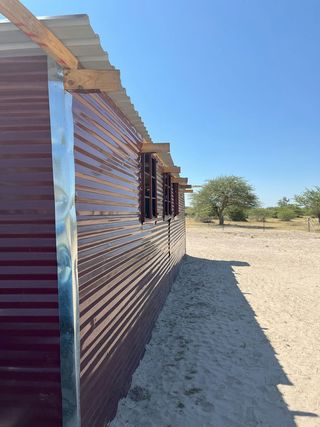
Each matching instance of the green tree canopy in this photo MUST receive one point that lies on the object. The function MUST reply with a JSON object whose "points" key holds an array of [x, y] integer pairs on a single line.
{"points": [[224, 192], [310, 199]]}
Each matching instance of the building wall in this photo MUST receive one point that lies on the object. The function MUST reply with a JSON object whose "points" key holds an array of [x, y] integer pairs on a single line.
{"points": [[125, 268], [29, 319]]}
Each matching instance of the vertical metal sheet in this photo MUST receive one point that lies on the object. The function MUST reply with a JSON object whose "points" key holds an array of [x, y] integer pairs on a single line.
{"points": [[125, 270], [30, 389], [61, 119]]}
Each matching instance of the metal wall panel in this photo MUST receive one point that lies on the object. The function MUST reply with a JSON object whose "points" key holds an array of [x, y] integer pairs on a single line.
{"points": [[62, 143], [178, 236], [125, 269], [29, 318]]}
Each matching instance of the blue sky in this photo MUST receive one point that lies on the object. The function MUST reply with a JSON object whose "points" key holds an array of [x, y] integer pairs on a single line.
{"points": [[234, 85]]}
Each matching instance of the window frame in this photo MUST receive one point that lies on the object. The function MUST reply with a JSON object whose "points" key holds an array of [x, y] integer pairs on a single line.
{"points": [[167, 195], [148, 196], [176, 199]]}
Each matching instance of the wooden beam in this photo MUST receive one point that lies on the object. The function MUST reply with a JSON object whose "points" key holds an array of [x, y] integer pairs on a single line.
{"points": [[180, 180], [187, 191], [185, 186], [22, 18], [171, 169], [104, 80], [162, 147]]}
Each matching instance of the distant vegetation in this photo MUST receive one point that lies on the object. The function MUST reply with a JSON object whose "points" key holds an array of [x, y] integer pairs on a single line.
{"points": [[310, 200], [233, 198], [229, 195]]}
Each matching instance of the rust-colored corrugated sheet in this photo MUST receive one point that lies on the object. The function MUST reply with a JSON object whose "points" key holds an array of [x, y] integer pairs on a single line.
{"points": [[125, 269], [29, 325]]}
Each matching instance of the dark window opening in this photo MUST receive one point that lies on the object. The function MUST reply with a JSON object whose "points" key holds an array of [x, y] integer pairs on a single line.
{"points": [[149, 208], [175, 188], [167, 194]]}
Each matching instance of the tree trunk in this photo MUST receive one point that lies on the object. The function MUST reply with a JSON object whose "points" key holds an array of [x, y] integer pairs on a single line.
{"points": [[319, 218], [221, 219]]}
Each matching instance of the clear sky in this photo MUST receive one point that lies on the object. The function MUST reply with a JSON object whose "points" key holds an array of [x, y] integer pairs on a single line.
{"points": [[234, 85]]}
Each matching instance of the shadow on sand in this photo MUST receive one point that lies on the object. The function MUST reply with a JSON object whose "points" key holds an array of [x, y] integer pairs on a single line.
{"points": [[243, 373]]}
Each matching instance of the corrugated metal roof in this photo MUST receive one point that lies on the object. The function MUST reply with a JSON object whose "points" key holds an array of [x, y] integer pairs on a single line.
{"points": [[77, 35]]}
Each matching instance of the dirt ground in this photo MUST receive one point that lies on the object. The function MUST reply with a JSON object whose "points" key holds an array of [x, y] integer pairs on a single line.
{"points": [[237, 343], [296, 224]]}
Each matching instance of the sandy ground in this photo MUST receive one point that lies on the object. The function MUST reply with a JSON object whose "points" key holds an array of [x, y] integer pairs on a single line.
{"points": [[237, 343]]}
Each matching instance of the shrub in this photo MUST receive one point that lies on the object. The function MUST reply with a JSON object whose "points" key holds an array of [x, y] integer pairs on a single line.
{"points": [[236, 214], [297, 210], [271, 212], [189, 211], [258, 214], [286, 214]]}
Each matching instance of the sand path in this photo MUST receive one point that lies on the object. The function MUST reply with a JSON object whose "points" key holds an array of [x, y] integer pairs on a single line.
{"points": [[237, 343]]}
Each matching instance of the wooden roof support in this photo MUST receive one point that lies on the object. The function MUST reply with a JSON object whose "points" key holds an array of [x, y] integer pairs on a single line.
{"points": [[187, 191], [162, 147], [180, 180], [171, 169], [104, 80], [22, 18], [76, 78]]}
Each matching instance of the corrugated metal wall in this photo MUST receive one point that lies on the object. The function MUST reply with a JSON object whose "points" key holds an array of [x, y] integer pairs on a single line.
{"points": [[29, 324], [178, 235], [125, 269]]}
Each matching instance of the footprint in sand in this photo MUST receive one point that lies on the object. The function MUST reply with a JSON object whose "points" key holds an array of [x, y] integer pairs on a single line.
{"points": [[205, 405], [137, 394], [192, 391]]}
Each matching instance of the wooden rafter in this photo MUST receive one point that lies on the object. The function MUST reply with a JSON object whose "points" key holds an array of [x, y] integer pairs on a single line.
{"points": [[104, 80], [180, 180], [162, 147], [76, 78], [171, 169], [22, 18]]}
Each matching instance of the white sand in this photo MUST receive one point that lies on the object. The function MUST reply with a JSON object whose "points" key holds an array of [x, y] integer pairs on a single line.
{"points": [[237, 343]]}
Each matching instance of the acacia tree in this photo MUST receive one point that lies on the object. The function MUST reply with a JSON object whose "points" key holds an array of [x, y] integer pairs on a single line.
{"points": [[310, 199], [224, 192]]}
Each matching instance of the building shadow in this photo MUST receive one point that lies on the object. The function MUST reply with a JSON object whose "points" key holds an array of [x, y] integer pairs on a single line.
{"points": [[242, 373]]}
